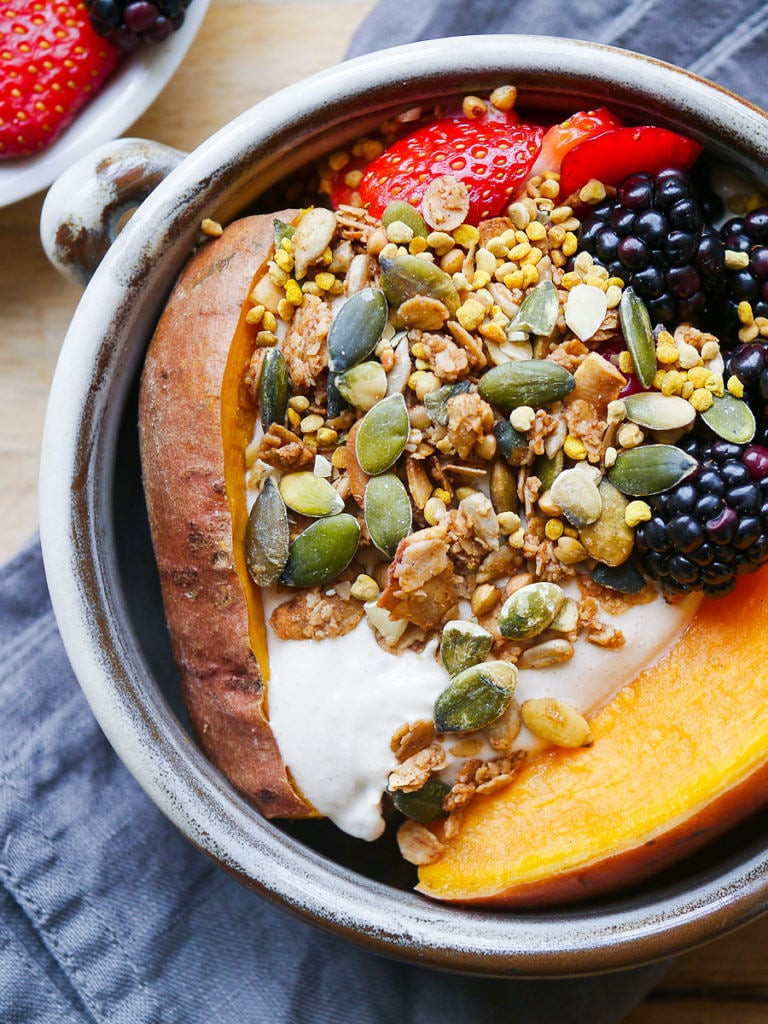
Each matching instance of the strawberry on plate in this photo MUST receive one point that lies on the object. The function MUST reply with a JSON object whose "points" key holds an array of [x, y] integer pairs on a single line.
{"points": [[53, 62], [490, 156], [612, 156]]}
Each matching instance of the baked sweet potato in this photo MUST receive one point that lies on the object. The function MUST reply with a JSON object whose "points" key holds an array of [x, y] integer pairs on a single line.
{"points": [[212, 612]]}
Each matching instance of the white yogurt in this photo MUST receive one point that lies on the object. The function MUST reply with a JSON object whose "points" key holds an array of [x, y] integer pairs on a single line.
{"points": [[334, 704]]}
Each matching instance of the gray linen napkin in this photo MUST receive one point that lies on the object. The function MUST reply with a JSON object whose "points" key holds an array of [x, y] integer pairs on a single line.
{"points": [[106, 913]]}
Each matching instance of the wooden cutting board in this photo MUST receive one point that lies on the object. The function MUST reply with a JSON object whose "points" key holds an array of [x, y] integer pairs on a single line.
{"points": [[245, 51]]}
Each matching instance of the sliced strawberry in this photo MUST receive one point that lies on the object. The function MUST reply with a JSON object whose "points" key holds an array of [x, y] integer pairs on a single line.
{"points": [[489, 156], [612, 156], [53, 62], [561, 138]]}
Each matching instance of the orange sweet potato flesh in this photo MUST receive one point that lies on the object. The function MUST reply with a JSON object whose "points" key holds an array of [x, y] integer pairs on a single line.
{"points": [[678, 757], [194, 416]]}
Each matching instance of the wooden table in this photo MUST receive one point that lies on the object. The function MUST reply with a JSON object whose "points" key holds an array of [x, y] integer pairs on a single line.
{"points": [[245, 51]]}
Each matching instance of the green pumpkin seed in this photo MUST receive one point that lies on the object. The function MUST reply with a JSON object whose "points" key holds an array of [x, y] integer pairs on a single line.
{"points": [[388, 513], [273, 388], [405, 276], [626, 578], [655, 411], [530, 610], [310, 495], [512, 445], [576, 493], [267, 537], [651, 469], [609, 540], [436, 402], [463, 644], [539, 311], [534, 382], [322, 551], [638, 334], [382, 435], [730, 418], [426, 804], [282, 230], [408, 214], [567, 618], [357, 329], [548, 469], [363, 385], [503, 487], [475, 697]]}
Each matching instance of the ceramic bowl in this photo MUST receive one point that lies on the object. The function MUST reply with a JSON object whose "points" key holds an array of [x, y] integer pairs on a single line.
{"points": [[99, 561]]}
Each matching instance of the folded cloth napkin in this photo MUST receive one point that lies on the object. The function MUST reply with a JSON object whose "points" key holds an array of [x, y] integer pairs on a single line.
{"points": [[106, 913]]}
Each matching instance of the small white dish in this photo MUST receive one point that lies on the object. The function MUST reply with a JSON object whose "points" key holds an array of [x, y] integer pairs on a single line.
{"points": [[138, 81]]}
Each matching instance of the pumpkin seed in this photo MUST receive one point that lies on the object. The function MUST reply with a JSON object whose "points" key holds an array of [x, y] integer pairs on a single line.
{"points": [[530, 610], [534, 382], [567, 618], [585, 310], [312, 236], [538, 312], [609, 539], [363, 385], [425, 804], [282, 230], [388, 513], [556, 722], [651, 469], [626, 578], [548, 469], [638, 334], [382, 435], [577, 495], [512, 445], [408, 214], [273, 388], [310, 495], [267, 536], [463, 644], [436, 402], [404, 276], [357, 329], [475, 697], [503, 487], [730, 418], [322, 551], [655, 411]]}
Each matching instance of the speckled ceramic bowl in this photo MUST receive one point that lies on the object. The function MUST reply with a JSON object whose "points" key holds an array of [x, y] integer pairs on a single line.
{"points": [[100, 565]]}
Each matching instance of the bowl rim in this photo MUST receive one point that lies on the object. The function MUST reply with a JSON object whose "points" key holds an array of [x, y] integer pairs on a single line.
{"points": [[96, 366]]}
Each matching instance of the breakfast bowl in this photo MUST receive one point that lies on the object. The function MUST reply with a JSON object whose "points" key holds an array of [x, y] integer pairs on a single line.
{"points": [[98, 551]]}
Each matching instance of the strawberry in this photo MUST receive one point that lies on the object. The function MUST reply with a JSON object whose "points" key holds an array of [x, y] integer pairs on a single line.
{"points": [[490, 156], [612, 156], [562, 137], [53, 63]]}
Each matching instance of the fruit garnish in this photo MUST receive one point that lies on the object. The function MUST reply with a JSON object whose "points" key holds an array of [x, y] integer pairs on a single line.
{"points": [[490, 157], [561, 138], [127, 23], [613, 155], [53, 63]]}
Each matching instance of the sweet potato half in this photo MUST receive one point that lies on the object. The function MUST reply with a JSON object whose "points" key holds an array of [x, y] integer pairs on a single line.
{"points": [[678, 756], [195, 419]]}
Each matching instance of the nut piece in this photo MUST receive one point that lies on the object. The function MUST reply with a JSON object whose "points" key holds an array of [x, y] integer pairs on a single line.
{"points": [[418, 845], [446, 203], [556, 722], [311, 238], [546, 654]]}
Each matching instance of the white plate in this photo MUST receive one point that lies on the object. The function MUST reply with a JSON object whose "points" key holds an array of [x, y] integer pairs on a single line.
{"points": [[135, 85]]}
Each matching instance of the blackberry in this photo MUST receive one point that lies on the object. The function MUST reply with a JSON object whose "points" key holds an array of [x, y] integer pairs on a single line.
{"points": [[749, 363], [129, 22], [656, 234], [713, 526], [748, 234]]}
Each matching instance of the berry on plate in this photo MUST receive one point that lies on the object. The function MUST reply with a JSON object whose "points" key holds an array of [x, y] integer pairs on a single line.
{"points": [[490, 157], [53, 63]]}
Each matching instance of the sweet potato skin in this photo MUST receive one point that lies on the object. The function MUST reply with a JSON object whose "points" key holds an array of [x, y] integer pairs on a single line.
{"points": [[184, 483]]}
